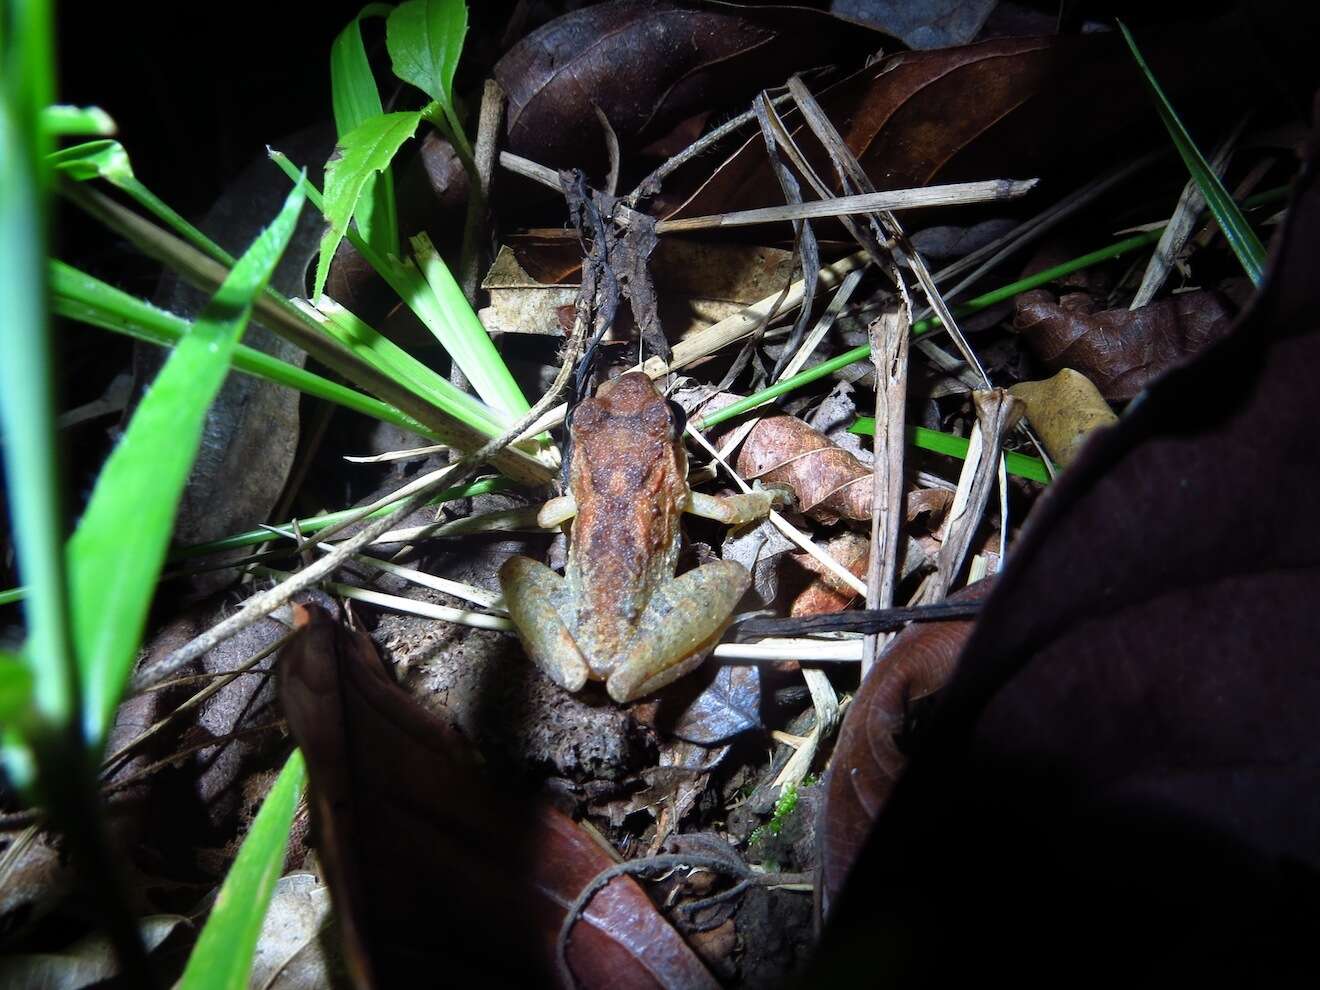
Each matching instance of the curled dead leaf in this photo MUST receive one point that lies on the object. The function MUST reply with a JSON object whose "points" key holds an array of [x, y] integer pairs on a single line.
{"points": [[828, 481], [1120, 350], [867, 759]]}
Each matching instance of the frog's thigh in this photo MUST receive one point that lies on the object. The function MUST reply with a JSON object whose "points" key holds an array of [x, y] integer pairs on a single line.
{"points": [[682, 624], [530, 592], [731, 509]]}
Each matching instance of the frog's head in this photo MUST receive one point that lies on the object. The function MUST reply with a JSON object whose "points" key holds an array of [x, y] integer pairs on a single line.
{"points": [[628, 430]]}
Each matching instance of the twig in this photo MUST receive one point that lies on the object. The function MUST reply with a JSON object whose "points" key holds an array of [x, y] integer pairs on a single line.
{"points": [[889, 336], [664, 863], [650, 186], [859, 620], [475, 226], [952, 194]]}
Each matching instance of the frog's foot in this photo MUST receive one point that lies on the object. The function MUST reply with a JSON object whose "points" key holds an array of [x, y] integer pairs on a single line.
{"points": [[530, 592], [682, 624]]}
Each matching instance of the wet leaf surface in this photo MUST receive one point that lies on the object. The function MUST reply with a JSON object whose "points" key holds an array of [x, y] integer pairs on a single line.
{"points": [[728, 702], [1120, 350], [648, 65], [436, 868], [1124, 766]]}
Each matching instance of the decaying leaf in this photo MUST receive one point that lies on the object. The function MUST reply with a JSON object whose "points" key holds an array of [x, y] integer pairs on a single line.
{"points": [[296, 950], [729, 702], [697, 283], [1125, 764], [88, 962], [828, 481], [1120, 350], [934, 24], [827, 594], [868, 758], [1007, 107], [1064, 411], [437, 869], [648, 65]]}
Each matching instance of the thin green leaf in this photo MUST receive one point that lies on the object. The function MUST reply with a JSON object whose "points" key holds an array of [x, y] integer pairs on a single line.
{"points": [[356, 100], [109, 161], [222, 957], [62, 120], [113, 567], [439, 303], [1241, 238], [80, 296], [15, 686], [1031, 468], [425, 39], [362, 152], [27, 408]]}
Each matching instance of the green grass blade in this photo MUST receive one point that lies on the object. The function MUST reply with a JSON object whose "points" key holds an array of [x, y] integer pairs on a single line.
{"points": [[1241, 238], [1031, 468], [361, 153], [439, 303], [384, 354], [15, 687], [113, 565], [222, 957], [27, 404], [79, 296], [356, 100], [456, 325], [61, 120], [425, 40], [109, 161]]}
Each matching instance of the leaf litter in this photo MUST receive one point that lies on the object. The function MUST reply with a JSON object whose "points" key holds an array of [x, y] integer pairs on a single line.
{"points": [[450, 781]]}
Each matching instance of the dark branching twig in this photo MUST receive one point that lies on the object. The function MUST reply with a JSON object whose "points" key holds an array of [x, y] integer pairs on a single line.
{"points": [[861, 620]]}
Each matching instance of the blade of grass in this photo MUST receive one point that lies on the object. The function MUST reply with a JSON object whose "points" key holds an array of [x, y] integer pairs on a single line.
{"points": [[222, 957], [1241, 238], [27, 404], [62, 120], [15, 687], [355, 98], [113, 568], [365, 150], [1031, 468], [439, 303], [79, 296], [109, 161]]}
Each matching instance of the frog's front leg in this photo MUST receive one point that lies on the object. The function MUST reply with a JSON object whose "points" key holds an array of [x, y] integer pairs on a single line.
{"points": [[681, 625], [732, 510], [533, 594]]}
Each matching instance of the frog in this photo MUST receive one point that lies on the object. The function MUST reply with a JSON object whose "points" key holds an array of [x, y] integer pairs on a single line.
{"points": [[621, 613]]}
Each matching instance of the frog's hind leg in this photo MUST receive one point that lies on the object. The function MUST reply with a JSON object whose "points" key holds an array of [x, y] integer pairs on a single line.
{"points": [[531, 591], [682, 624]]}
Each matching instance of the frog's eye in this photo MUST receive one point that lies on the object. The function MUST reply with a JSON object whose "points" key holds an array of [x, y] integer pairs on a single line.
{"points": [[679, 416], [587, 414]]}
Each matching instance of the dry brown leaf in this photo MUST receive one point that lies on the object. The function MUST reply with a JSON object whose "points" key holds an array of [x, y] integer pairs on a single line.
{"points": [[434, 867], [828, 481], [1064, 411], [1120, 350]]}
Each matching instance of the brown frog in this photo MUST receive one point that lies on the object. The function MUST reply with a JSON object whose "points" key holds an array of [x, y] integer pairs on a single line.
{"points": [[619, 613]]}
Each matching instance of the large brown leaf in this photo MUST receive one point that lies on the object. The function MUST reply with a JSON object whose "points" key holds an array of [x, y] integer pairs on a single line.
{"points": [[440, 876], [867, 759], [648, 64], [1120, 350], [1124, 775], [1008, 108]]}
